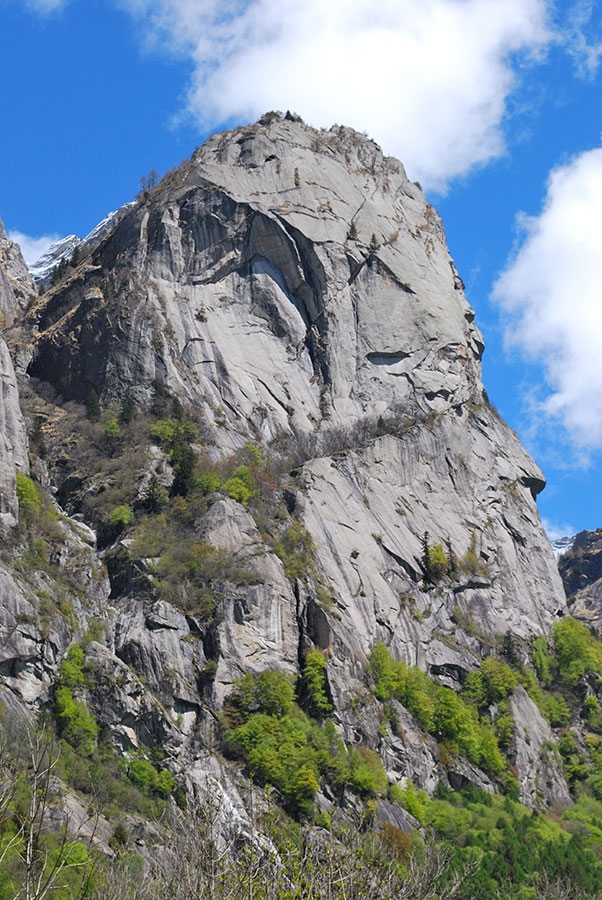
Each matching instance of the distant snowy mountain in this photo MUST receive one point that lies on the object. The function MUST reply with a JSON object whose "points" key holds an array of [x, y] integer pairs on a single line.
{"points": [[561, 545], [41, 269]]}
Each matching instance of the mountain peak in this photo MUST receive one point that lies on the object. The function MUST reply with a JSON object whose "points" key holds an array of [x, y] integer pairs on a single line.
{"points": [[261, 389]]}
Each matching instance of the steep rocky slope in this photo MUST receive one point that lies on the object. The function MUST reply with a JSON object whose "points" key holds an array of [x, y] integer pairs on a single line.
{"points": [[17, 288], [14, 282], [581, 572], [290, 293], [61, 252], [237, 285]]}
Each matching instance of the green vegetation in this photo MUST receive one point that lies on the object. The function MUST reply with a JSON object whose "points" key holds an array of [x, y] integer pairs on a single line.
{"points": [[176, 437], [435, 564], [93, 406], [439, 563], [282, 746], [492, 682], [542, 660], [121, 516], [112, 429], [29, 498], [314, 681], [37, 858], [518, 851], [75, 722], [186, 572], [577, 651], [147, 778], [40, 530], [448, 716], [522, 850], [277, 727], [127, 409], [85, 756], [297, 551]]}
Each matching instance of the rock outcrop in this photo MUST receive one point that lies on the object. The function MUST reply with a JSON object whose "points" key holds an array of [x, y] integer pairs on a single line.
{"points": [[581, 572], [293, 288], [296, 287], [16, 284], [13, 440], [535, 752]]}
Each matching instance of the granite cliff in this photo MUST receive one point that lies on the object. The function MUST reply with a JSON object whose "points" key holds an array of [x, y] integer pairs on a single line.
{"points": [[281, 311]]}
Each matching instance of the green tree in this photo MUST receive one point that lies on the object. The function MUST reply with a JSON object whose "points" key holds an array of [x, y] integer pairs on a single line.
{"points": [[176, 435], [241, 485], [493, 681], [155, 496], [543, 660], [434, 562], [93, 406], [438, 562], [127, 410], [28, 496], [314, 680], [75, 721], [120, 516], [577, 651], [452, 562], [112, 429], [274, 693]]}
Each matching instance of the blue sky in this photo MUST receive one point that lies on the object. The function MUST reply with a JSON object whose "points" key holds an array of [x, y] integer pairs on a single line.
{"points": [[495, 106]]}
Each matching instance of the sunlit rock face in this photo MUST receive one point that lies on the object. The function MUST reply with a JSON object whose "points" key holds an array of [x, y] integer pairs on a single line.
{"points": [[295, 289], [13, 442], [17, 289]]}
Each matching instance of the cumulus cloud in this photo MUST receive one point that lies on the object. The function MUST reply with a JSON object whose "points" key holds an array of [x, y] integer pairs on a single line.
{"points": [[428, 79], [552, 293], [32, 248]]}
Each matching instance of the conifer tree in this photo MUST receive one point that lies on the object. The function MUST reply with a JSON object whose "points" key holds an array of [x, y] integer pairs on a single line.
{"points": [[93, 406], [127, 411]]}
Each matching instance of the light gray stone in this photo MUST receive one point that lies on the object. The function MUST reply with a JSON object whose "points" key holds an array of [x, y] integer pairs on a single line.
{"points": [[540, 774], [16, 284], [13, 441], [355, 360]]}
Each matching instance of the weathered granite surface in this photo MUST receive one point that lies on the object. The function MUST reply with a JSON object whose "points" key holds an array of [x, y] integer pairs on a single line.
{"points": [[295, 289]]}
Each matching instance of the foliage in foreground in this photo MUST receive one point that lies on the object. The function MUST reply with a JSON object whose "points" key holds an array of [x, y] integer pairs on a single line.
{"points": [[479, 846]]}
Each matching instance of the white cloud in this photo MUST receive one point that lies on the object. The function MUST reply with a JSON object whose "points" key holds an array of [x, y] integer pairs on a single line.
{"points": [[32, 247], [428, 79], [552, 292], [583, 38], [556, 531]]}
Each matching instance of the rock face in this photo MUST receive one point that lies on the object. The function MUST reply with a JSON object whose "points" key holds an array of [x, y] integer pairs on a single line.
{"points": [[295, 290], [13, 440], [62, 251], [251, 239], [581, 572], [536, 756], [16, 284], [297, 287]]}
